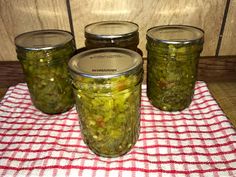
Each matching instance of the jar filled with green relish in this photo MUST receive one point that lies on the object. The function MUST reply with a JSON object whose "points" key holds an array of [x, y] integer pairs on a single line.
{"points": [[44, 57], [123, 34], [173, 54], [107, 88]]}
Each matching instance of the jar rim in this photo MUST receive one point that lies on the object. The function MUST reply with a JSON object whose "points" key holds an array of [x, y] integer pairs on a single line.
{"points": [[43, 39], [106, 63], [175, 34], [111, 29]]}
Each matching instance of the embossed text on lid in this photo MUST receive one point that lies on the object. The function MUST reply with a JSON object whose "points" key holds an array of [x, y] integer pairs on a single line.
{"points": [[105, 62]]}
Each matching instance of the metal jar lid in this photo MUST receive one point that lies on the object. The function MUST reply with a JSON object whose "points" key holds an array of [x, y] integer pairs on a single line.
{"points": [[106, 62], [43, 39], [111, 29], [175, 34]]}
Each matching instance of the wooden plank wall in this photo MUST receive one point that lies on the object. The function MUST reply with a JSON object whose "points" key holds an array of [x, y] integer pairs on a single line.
{"points": [[216, 17], [228, 45]]}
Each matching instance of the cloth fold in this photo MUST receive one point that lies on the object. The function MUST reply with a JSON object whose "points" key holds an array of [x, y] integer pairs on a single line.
{"points": [[198, 141]]}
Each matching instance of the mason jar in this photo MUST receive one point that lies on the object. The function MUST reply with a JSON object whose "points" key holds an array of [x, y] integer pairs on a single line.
{"points": [[172, 62], [107, 89], [44, 57], [122, 34]]}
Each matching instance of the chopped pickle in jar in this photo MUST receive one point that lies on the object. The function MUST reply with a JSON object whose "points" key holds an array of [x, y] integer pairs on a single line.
{"points": [[172, 72], [48, 78], [128, 43], [109, 112]]}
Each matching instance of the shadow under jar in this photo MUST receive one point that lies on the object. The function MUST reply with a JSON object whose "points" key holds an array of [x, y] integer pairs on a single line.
{"points": [[44, 57], [107, 89], [172, 62], [123, 34]]}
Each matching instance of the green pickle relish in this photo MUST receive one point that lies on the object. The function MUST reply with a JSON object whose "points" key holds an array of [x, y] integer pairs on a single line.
{"points": [[107, 88], [44, 57], [173, 53]]}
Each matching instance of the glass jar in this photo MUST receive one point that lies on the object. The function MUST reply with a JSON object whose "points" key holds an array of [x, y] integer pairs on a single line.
{"points": [[44, 57], [107, 88], [172, 61], [122, 34]]}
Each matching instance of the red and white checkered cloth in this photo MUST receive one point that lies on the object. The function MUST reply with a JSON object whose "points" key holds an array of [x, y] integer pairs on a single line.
{"points": [[196, 142]]}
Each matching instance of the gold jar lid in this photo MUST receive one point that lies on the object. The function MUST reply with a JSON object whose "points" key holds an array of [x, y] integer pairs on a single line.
{"points": [[176, 34], [111, 30], [106, 62], [43, 39]]}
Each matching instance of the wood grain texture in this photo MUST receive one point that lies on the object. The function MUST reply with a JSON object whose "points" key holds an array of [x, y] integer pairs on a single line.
{"points": [[18, 16], [225, 95], [207, 15], [228, 45], [11, 73], [212, 69]]}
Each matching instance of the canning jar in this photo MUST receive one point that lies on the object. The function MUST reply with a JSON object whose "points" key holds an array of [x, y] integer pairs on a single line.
{"points": [[107, 88], [44, 57], [122, 34], [173, 53]]}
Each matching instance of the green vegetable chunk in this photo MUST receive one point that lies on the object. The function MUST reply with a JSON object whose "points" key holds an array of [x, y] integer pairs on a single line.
{"points": [[109, 112], [48, 78]]}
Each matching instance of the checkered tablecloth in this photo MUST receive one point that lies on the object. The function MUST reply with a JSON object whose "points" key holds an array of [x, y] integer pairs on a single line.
{"points": [[196, 142]]}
